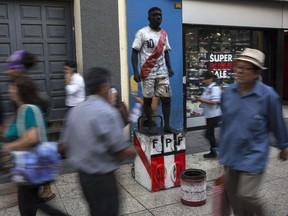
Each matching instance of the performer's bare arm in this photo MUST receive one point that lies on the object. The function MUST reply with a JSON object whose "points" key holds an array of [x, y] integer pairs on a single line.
{"points": [[134, 60], [168, 63]]}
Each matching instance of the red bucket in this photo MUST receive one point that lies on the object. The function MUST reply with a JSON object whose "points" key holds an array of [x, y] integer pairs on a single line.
{"points": [[193, 187]]}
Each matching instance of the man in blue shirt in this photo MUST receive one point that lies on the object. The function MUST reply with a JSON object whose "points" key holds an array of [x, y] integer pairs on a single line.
{"points": [[250, 110]]}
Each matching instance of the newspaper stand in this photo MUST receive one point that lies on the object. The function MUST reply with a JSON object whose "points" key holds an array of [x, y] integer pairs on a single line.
{"points": [[160, 158]]}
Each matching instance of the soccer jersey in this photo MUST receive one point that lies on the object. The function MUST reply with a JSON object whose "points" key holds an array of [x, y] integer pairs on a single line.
{"points": [[145, 42]]}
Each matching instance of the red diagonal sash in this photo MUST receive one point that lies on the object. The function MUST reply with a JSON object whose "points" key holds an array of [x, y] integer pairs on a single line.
{"points": [[152, 59], [142, 155]]}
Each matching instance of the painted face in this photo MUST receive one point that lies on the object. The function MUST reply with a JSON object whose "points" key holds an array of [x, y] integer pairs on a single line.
{"points": [[245, 72], [155, 18]]}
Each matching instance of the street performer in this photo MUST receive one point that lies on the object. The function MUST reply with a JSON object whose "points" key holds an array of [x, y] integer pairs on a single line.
{"points": [[152, 45]]}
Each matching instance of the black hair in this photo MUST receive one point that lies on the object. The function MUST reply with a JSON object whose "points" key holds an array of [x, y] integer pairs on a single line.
{"points": [[153, 9], [28, 60], [209, 75], [71, 64], [29, 93], [95, 77]]}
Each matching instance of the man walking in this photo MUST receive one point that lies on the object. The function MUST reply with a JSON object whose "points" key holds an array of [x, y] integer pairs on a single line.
{"points": [[96, 145], [250, 110]]}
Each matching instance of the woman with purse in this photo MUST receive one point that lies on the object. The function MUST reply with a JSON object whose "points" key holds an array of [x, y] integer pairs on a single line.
{"points": [[23, 92], [17, 65]]}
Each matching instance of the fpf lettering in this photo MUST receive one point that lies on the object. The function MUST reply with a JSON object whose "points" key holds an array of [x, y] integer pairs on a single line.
{"points": [[179, 140], [167, 142], [154, 142]]}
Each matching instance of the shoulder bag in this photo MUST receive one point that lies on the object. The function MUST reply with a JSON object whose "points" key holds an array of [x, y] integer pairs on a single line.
{"points": [[38, 164]]}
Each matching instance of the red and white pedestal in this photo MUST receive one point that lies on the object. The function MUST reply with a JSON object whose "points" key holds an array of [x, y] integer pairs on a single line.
{"points": [[160, 160]]}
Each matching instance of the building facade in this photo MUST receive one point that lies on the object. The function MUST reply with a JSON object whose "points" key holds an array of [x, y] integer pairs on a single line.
{"points": [[56, 31]]}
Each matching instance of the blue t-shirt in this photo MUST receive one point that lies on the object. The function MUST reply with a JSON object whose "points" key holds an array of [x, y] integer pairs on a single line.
{"points": [[30, 122]]}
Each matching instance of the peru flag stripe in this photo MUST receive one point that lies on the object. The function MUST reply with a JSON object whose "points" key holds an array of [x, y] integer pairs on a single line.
{"points": [[152, 59], [180, 162], [141, 154], [158, 173]]}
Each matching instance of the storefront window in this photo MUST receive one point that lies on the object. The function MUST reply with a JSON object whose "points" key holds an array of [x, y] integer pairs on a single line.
{"points": [[211, 49]]}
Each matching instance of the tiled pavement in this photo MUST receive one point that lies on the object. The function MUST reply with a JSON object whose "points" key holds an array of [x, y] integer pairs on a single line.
{"points": [[137, 201]]}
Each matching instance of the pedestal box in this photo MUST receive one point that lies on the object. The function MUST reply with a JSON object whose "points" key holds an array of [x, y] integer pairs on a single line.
{"points": [[160, 160]]}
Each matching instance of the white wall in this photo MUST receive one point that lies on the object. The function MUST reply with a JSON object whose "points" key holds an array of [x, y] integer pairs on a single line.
{"points": [[123, 55], [285, 16], [78, 36], [236, 13]]}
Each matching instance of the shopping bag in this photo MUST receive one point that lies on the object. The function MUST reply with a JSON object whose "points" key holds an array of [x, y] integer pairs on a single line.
{"points": [[37, 166], [220, 205]]}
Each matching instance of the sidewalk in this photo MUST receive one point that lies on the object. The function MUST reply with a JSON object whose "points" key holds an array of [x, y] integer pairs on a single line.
{"points": [[137, 201]]}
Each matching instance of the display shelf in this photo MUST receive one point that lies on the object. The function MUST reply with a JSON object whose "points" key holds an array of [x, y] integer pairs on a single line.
{"points": [[200, 45], [194, 78]]}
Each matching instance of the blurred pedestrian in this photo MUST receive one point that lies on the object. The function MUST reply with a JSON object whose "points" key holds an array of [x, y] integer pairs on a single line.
{"points": [[18, 65], [96, 145], [210, 100], [250, 110], [23, 91], [75, 86]]}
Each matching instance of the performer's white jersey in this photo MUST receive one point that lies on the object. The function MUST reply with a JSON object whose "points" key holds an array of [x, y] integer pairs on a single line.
{"points": [[145, 42]]}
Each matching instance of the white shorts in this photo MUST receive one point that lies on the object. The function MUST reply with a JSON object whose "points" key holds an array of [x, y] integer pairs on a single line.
{"points": [[159, 87]]}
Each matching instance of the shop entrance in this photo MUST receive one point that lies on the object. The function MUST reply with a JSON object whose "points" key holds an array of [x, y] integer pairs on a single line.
{"points": [[210, 48]]}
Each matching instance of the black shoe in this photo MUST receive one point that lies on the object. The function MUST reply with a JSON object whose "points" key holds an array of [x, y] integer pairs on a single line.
{"points": [[210, 155], [152, 130]]}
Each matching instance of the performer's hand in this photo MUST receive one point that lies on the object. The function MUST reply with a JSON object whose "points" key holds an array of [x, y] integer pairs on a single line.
{"points": [[284, 154], [137, 77], [171, 72]]}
